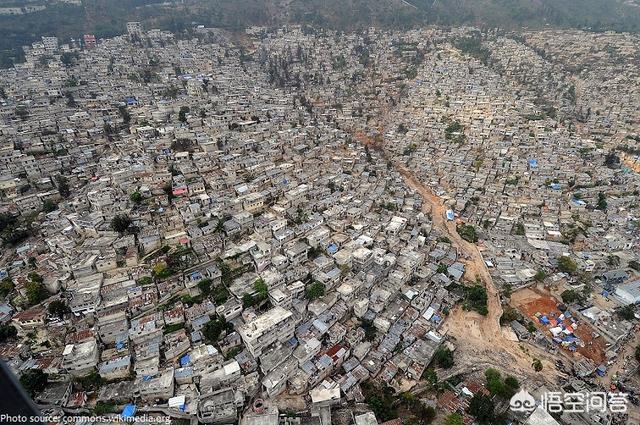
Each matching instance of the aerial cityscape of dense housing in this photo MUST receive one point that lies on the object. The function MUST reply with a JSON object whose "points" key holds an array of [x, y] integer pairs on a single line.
{"points": [[296, 225]]}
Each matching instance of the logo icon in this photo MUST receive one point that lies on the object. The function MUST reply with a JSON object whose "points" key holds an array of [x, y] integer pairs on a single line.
{"points": [[522, 401]]}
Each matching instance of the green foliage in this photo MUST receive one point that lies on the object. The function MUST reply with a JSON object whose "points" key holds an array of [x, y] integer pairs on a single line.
{"points": [[442, 268], [443, 357], [91, 382], [315, 291], [369, 329], [380, 400], [473, 47], [454, 127], [430, 376], [104, 407], [213, 329], [507, 290], [36, 292], [540, 276], [505, 389], [6, 286], [482, 408], [49, 205], [537, 365], [602, 202], [454, 419], [182, 115], [136, 197], [172, 328], [145, 280], [58, 308], [570, 296], [476, 299], [63, 186], [637, 353], [34, 381], [467, 232], [567, 265], [120, 223], [627, 312], [7, 332]]}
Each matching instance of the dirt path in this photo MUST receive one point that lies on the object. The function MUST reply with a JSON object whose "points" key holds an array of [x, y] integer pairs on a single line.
{"points": [[481, 343]]}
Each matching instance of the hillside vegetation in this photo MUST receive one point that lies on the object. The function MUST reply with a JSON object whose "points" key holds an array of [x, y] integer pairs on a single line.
{"points": [[108, 17]]}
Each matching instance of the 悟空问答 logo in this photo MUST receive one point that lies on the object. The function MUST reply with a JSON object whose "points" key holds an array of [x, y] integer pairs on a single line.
{"points": [[522, 401]]}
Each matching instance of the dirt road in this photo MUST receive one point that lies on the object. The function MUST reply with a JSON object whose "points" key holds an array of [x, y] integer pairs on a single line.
{"points": [[481, 342]]}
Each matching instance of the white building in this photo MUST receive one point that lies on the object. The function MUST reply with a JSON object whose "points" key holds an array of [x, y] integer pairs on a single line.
{"points": [[277, 324]]}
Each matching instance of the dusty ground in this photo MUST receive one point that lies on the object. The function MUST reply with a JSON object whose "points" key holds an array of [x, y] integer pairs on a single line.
{"points": [[532, 301], [481, 342]]}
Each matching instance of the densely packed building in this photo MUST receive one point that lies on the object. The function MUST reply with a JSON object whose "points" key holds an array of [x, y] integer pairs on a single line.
{"points": [[227, 228]]}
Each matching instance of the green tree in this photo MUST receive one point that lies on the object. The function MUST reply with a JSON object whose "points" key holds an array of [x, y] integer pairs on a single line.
{"points": [[537, 365], [443, 357], [482, 408], [205, 286], [34, 381], [512, 383], [454, 419], [121, 223], [6, 286], [467, 232], [476, 299], [602, 202], [124, 114], [58, 308], [91, 382], [507, 290], [214, 328], [182, 115], [540, 276], [315, 291], [570, 296], [104, 407], [628, 312], [48, 206], [261, 289], [136, 197], [567, 265], [494, 381], [63, 186], [36, 292], [7, 332]]}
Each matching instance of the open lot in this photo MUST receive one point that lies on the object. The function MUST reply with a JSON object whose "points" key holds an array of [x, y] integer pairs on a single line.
{"points": [[533, 303]]}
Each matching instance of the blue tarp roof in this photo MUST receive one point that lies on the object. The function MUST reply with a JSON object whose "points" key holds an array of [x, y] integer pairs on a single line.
{"points": [[184, 360], [129, 410], [544, 320], [450, 215], [533, 163], [332, 248], [556, 186]]}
